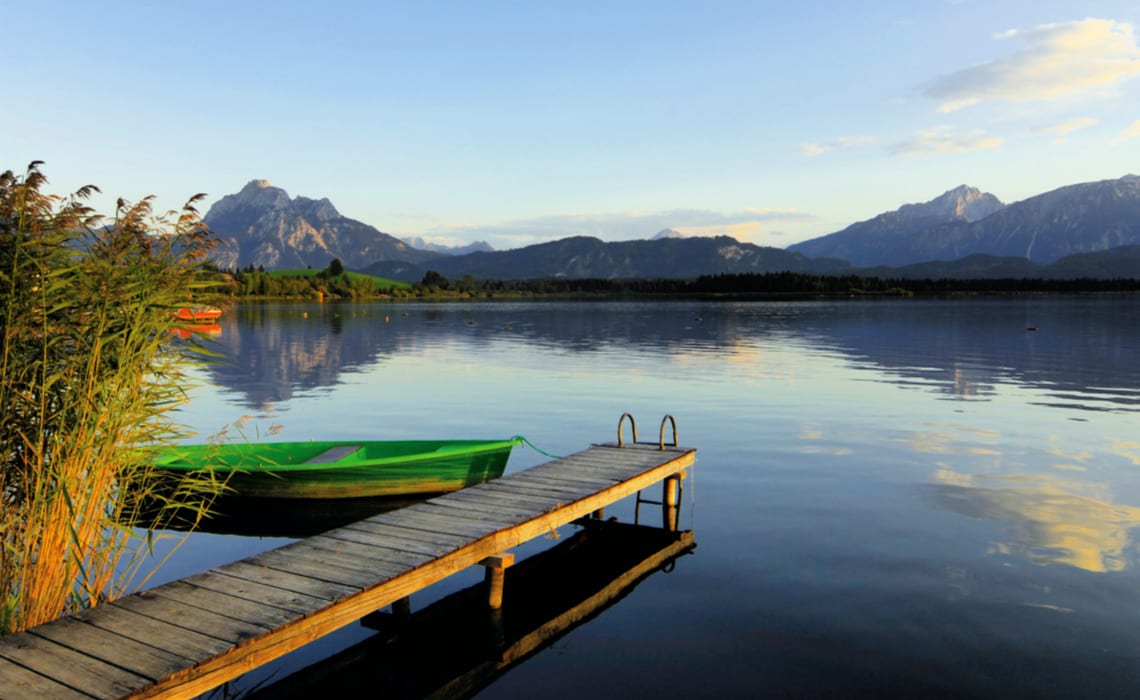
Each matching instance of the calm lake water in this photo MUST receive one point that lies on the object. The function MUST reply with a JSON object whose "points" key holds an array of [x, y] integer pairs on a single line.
{"points": [[907, 498]]}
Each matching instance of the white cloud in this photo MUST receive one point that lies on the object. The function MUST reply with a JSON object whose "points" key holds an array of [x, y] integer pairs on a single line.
{"points": [[621, 226], [810, 150], [1131, 132], [944, 140], [1058, 61], [1062, 128]]}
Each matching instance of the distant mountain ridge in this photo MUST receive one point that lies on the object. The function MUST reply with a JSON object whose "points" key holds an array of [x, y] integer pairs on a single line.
{"points": [[424, 244], [1122, 262], [1082, 218], [263, 227], [890, 238], [585, 256]]}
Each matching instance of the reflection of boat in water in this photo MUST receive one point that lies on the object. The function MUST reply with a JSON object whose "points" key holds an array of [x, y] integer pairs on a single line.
{"points": [[198, 314], [340, 469], [456, 646], [212, 330]]}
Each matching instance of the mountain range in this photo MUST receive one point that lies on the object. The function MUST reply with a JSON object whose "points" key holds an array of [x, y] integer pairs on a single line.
{"points": [[1083, 218], [962, 233], [585, 256], [424, 244]]}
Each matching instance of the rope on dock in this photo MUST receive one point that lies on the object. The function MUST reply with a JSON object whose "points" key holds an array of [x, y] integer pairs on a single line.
{"points": [[534, 447]]}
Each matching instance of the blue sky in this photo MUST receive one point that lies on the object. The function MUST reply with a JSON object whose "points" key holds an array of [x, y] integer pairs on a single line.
{"points": [[516, 122]]}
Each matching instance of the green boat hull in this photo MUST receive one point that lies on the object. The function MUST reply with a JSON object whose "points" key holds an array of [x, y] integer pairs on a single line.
{"points": [[343, 469]]}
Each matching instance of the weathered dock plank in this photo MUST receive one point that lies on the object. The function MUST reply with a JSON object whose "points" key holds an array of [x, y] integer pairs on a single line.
{"points": [[357, 546], [580, 483], [21, 684], [289, 581], [416, 517], [253, 611], [510, 500], [153, 632], [192, 635], [559, 494], [521, 493], [488, 517], [380, 547], [159, 607], [326, 565], [411, 541], [68, 666], [115, 649], [481, 505], [302, 603]]}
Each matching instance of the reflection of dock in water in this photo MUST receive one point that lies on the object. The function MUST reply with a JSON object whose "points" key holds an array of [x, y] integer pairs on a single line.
{"points": [[456, 646]]}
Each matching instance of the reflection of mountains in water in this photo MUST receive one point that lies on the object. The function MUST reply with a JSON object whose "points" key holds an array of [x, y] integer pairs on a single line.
{"points": [[1085, 352], [456, 646], [273, 351]]}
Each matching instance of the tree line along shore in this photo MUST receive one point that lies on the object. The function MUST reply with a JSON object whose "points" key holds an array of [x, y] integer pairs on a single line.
{"points": [[334, 282]]}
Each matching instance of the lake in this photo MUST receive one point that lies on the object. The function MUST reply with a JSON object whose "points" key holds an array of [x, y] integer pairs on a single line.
{"points": [[892, 498]]}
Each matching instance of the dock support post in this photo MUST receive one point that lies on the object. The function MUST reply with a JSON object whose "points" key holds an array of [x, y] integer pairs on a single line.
{"points": [[495, 573], [402, 608], [669, 500]]}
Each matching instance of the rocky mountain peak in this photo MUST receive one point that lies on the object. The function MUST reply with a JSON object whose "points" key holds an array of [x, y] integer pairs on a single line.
{"points": [[963, 202], [262, 226], [257, 194], [667, 233], [317, 209]]}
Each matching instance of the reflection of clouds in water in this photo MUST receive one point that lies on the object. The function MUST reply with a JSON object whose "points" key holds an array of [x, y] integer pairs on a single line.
{"points": [[748, 361], [954, 439], [1127, 449], [1070, 461], [813, 432], [1053, 520], [834, 451]]}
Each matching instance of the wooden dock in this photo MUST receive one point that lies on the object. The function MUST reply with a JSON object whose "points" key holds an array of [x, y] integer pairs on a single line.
{"points": [[186, 637]]}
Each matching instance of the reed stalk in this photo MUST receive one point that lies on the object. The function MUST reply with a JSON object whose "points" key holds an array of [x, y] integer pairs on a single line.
{"points": [[91, 373]]}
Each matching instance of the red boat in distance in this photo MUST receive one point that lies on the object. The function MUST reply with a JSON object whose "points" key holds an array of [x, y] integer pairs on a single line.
{"points": [[198, 314]]}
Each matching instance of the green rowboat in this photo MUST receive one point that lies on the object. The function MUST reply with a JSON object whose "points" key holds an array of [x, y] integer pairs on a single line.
{"points": [[343, 469]]}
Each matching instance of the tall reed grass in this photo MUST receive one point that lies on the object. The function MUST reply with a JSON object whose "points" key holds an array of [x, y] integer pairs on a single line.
{"points": [[90, 375]]}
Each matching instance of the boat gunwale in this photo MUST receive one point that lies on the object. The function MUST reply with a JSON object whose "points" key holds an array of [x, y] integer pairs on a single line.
{"points": [[459, 448]]}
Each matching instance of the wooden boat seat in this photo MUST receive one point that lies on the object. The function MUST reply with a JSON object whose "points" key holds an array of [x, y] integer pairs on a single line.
{"points": [[334, 454]]}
